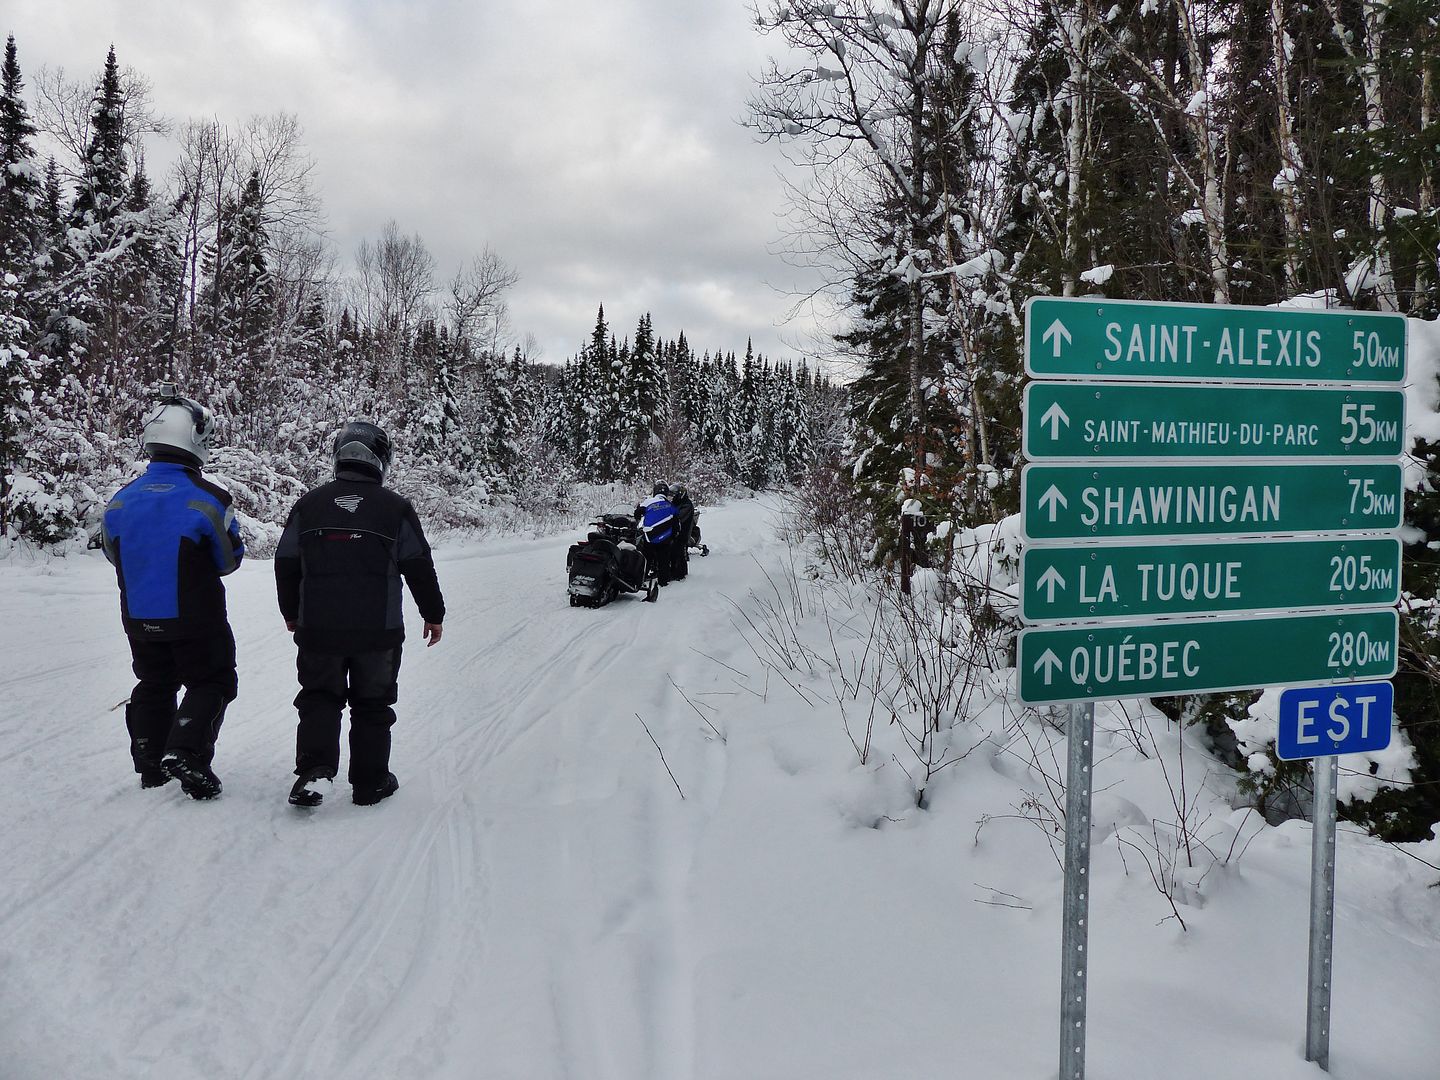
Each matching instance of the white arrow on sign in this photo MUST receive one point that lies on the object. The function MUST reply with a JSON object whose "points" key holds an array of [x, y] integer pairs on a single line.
{"points": [[1056, 330], [1049, 580], [1055, 416], [1048, 664], [1053, 498]]}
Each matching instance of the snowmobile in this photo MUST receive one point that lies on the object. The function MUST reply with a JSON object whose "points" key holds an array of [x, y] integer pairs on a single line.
{"points": [[608, 562], [693, 540]]}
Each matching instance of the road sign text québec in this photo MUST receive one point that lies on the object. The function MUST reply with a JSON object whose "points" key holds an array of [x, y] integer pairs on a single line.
{"points": [[1351, 718], [1108, 661], [1120, 339]]}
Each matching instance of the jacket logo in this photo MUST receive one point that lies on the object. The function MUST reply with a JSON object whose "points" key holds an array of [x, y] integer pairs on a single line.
{"points": [[350, 503], [159, 489], [150, 628]]}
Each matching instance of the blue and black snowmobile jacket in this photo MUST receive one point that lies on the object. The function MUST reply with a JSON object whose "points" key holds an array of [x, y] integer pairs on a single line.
{"points": [[171, 536], [657, 519]]}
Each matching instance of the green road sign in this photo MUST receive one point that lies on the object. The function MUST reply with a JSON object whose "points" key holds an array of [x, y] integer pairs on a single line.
{"points": [[1109, 420], [1091, 663], [1136, 339], [1062, 502], [1129, 581]]}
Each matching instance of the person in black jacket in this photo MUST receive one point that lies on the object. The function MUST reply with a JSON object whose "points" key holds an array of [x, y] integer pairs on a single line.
{"points": [[687, 532], [338, 568], [171, 536]]}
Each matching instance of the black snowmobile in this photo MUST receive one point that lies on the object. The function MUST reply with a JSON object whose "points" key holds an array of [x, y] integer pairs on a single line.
{"points": [[607, 563], [694, 537]]}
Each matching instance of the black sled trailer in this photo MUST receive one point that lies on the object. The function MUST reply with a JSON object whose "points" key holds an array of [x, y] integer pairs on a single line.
{"points": [[607, 563]]}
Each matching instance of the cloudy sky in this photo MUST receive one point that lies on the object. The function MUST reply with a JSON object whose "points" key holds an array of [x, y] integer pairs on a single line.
{"points": [[594, 144]]}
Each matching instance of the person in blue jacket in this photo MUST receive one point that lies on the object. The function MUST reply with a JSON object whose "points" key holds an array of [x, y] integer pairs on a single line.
{"points": [[657, 523], [171, 536]]}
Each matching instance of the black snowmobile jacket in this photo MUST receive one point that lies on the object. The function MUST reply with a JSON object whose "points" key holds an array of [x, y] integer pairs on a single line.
{"points": [[345, 547]]}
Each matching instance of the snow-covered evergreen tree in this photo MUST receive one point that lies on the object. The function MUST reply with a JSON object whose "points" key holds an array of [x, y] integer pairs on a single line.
{"points": [[21, 184], [237, 304]]}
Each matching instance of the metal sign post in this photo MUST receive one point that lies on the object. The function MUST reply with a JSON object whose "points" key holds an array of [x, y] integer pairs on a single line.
{"points": [[1074, 946], [1196, 460], [1322, 914], [1321, 722]]}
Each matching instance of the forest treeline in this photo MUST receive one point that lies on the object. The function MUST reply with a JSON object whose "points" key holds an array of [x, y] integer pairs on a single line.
{"points": [[218, 277]]}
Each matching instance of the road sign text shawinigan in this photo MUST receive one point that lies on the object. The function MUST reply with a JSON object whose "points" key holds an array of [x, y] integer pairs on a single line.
{"points": [[1180, 504]]}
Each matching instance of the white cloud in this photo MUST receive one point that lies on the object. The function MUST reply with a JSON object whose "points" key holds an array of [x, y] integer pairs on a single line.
{"points": [[596, 147]]}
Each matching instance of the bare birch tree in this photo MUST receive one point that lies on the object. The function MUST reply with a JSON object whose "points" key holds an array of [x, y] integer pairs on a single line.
{"points": [[854, 101], [1287, 181], [1365, 50], [1201, 165], [475, 306]]}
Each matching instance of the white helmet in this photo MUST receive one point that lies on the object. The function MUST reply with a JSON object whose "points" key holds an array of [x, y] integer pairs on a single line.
{"points": [[179, 425]]}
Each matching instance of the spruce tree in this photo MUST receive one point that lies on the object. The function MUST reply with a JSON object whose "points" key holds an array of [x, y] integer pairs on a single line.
{"points": [[16, 392], [103, 182], [597, 401], [239, 299], [21, 193], [643, 397]]}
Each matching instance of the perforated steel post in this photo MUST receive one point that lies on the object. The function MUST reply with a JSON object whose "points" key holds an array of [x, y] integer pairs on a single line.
{"points": [[1074, 947], [1322, 914]]}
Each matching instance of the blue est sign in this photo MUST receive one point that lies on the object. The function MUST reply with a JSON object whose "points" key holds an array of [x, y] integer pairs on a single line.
{"points": [[1318, 721]]}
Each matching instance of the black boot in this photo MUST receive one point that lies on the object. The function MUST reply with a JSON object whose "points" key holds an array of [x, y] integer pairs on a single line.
{"points": [[308, 788], [147, 764], [369, 796], [195, 777]]}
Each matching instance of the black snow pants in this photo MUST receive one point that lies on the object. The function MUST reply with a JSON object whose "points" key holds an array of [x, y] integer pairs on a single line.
{"points": [[664, 558], [205, 667], [369, 681]]}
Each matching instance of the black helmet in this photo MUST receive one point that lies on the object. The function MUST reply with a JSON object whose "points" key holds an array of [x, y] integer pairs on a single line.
{"points": [[363, 444], [661, 489], [681, 492]]}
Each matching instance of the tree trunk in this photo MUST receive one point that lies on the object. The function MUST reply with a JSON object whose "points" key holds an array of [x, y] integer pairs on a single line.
{"points": [[1075, 26], [918, 238], [1212, 206], [1385, 295], [1286, 184], [1373, 30], [1425, 273]]}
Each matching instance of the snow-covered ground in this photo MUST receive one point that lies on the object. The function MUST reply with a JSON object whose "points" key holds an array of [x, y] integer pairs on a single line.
{"points": [[538, 902]]}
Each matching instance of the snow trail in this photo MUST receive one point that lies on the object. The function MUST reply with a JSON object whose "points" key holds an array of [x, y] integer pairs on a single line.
{"points": [[537, 902], [245, 938]]}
